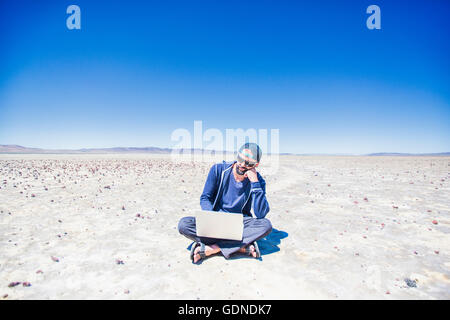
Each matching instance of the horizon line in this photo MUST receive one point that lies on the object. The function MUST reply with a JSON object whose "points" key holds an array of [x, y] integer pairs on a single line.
{"points": [[148, 149]]}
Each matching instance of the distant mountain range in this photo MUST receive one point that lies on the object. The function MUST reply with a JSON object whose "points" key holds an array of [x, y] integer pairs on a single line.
{"points": [[390, 154], [16, 149], [20, 149]]}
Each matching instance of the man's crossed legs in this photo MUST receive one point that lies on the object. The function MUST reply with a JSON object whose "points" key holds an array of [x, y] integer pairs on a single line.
{"points": [[254, 229]]}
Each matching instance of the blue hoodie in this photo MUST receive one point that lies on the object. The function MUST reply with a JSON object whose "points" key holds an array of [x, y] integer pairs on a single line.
{"points": [[215, 185]]}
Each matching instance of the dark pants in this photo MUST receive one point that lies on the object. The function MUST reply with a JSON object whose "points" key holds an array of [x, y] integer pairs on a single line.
{"points": [[254, 229]]}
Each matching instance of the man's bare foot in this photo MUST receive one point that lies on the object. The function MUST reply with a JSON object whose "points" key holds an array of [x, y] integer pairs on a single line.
{"points": [[209, 250], [252, 250]]}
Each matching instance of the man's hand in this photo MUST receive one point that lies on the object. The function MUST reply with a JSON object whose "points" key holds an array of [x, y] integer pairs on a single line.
{"points": [[251, 175]]}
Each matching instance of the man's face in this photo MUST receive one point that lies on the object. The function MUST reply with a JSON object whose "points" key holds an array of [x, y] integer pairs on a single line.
{"points": [[244, 164]]}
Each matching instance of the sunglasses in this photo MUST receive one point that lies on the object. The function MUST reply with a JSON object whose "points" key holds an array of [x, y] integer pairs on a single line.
{"points": [[247, 163]]}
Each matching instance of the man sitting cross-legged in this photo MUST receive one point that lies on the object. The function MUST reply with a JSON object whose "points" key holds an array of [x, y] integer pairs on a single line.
{"points": [[233, 187]]}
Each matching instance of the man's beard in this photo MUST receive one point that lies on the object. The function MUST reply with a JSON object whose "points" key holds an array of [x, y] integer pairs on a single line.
{"points": [[239, 172]]}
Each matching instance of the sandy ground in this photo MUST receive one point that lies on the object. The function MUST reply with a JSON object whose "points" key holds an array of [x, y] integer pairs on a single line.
{"points": [[105, 227]]}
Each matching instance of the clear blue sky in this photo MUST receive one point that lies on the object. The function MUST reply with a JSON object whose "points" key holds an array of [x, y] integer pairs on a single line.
{"points": [[137, 70]]}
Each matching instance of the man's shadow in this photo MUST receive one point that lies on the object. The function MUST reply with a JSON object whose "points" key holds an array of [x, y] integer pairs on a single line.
{"points": [[269, 244]]}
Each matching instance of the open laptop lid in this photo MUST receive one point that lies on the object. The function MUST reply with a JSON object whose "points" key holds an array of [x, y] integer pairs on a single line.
{"points": [[219, 225]]}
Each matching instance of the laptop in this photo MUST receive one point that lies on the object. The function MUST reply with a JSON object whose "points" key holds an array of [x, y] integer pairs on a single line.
{"points": [[220, 225]]}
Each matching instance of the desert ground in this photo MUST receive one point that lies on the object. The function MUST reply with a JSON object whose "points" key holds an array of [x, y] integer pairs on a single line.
{"points": [[105, 227]]}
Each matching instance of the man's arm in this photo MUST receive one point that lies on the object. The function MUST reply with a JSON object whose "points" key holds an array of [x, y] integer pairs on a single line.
{"points": [[260, 204], [209, 191]]}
